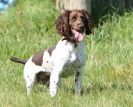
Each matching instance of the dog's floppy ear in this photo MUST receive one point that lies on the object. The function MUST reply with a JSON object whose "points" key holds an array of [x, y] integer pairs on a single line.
{"points": [[62, 24], [89, 23]]}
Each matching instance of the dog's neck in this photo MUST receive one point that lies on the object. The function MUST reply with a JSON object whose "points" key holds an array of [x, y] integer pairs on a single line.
{"points": [[69, 40], [72, 46]]}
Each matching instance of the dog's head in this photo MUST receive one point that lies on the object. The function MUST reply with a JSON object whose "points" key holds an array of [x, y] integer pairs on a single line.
{"points": [[72, 24]]}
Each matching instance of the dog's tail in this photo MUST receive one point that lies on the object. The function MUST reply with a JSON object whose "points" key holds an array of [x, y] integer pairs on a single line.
{"points": [[18, 60]]}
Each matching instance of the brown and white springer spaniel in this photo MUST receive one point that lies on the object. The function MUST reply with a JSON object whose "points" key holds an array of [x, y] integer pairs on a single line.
{"points": [[67, 57]]}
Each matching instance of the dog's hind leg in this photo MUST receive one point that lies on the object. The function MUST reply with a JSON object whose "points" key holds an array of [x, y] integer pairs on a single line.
{"points": [[31, 78], [30, 72], [30, 81]]}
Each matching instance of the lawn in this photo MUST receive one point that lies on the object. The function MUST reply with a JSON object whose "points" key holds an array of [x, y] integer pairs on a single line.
{"points": [[29, 27]]}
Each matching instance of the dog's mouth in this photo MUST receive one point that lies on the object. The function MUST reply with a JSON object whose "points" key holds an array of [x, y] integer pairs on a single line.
{"points": [[78, 35]]}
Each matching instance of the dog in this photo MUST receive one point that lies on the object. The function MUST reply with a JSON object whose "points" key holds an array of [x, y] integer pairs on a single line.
{"points": [[64, 59]]}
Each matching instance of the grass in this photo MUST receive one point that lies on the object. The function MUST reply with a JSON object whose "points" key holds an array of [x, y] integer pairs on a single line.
{"points": [[28, 27]]}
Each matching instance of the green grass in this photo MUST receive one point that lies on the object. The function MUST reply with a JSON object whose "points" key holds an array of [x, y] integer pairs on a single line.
{"points": [[29, 27]]}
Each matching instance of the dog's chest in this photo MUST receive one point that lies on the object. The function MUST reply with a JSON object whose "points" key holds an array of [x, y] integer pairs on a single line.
{"points": [[73, 60], [66, 59], [71, 65], [66, 62]]}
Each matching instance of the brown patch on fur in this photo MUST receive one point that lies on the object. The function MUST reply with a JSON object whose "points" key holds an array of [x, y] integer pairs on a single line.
{"points": [[50, 50], [38, 58], [43, 77]]}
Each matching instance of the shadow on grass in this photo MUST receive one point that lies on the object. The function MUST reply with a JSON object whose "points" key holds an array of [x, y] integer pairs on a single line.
{"points": [[98, 88]]}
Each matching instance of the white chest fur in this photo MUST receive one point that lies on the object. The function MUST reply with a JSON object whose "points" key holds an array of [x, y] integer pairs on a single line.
{"points": [[66, 58]]}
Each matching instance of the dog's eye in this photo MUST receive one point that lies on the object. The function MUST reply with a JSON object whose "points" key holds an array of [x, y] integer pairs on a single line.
{"points": [[73, 18], [82, 17]]}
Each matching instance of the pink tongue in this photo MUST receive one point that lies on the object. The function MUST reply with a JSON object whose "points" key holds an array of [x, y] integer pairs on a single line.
{"points": [[78, 35]]}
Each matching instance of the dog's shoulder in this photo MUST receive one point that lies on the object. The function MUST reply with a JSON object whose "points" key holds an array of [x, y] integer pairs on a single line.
{"points": [[38, 58], [51, 49]]}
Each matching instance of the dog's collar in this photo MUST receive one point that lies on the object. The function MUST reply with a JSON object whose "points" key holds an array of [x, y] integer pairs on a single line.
{"points": [[70, 40]]}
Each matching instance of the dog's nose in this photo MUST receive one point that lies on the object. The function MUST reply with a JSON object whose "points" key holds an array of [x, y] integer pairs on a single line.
{"points": [[80, 25]]}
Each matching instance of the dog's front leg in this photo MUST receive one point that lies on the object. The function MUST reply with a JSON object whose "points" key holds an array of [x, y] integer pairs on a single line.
{"points": [[78, 81], [54, 82]]}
